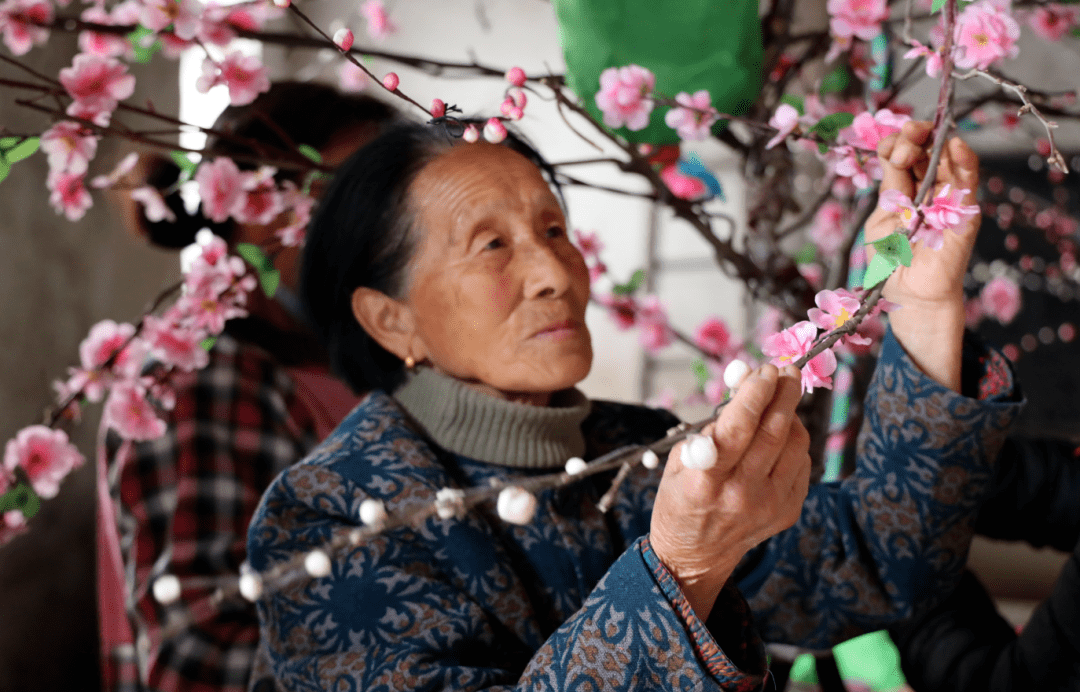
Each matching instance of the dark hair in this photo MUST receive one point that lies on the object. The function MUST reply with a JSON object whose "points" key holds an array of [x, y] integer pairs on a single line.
{"points": [[362, 235], [288, 115]]}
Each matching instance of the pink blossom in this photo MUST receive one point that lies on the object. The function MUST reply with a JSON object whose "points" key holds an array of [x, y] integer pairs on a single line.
{"points": [[856, 18], [788, 346], [900, 204], [589, 244], [391, 81], [596, 270], [104, 340], [207, 306], [867, 130], [625, 96], [1052, 21], [827, 233], [834, 309], [244, 75], [682, 185], [653, 323], [516, 76], [934, 60], [513, 106], [471, 134], [437, 108], [68, 195], [785, 120], [945, 212], [220, 188], [108, 45], [696, 116], [379, 25], [183, 15], [352, 78], [262, 201], [132, 416], [622, 308], [845, 162], [712, 337], [96, 83], [985, 33], [298, 208], [813, 273], [174, 345], [45, 455], [69, 147], [153, 205], [1000, 298], [19, 23]]}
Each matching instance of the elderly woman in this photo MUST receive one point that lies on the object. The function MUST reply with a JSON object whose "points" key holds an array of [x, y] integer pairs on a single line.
{"points": [[443, 279]]}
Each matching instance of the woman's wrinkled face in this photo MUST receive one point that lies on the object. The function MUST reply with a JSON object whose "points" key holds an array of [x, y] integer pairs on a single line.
{"points": [[497, 290]]}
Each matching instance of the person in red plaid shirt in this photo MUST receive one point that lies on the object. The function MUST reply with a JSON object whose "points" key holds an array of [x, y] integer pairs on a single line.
{"points": [[181, 504]]}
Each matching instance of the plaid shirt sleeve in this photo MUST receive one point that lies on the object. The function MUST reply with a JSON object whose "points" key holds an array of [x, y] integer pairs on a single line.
{"points": [[186, 501]]}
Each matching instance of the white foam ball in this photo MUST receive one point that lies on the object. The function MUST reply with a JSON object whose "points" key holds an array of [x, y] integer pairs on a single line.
{"points": [[317, 564], [649, 459], [166, 589], [449, 502], [575, 465], [516, 505], [251, 586], [698, 452], [372, 512], [735, 373]]}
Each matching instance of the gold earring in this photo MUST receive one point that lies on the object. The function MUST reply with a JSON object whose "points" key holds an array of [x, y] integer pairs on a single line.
{"points": [[409, 363]]}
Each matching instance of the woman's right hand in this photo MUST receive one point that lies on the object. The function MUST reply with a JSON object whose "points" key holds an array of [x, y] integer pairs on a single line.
{"points": [[704, 521]]}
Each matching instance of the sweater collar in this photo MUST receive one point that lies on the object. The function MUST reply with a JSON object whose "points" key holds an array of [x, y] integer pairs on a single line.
{"points": [[466, 421]]}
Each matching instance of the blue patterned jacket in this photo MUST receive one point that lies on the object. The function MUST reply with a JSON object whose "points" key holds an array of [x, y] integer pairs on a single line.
{"points": [[577, 600]]}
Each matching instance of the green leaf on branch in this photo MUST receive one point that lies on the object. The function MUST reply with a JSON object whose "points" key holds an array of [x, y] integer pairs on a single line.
{"points": [[269, 276], [795, 102], [636, 280], [22, 498], [8, 142], [22, 150], [208, 343], [310, 152], [896, 247], [143, 53], [806, 254], [187, 166], [837, 80], [880, 268], [938, 4], [701, 373], [5, 168], [829, 127]]}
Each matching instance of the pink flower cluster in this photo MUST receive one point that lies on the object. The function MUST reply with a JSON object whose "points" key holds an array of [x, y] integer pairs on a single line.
{"points": [[695, 115], [244, 75], [788, 346], [513, 105], [985, 33], [851, 19], [590, 246], [648, 314], [625, 96], [1053, 21], [1000, 299], [379, 25], [867, 130], [945, 212], [252, 197], [19, 23]]}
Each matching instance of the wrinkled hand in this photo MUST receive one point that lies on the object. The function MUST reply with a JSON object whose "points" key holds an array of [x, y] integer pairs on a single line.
{"points": [[704, 521], [935, 276], [930, 322]]}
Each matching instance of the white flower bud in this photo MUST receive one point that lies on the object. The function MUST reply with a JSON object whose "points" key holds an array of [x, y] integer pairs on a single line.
{"points": [[317, 564], [698, 452], [575, 465], [516, 505], [471, 134], [735, 373], [649, 459], [372, 512], [449, 503], [343, 38], [251, 586], [166, 589]]}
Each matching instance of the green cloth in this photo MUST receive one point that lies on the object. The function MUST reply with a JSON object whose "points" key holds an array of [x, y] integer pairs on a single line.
{"points": [[688, 44], [871, 659], [464, 420]]}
